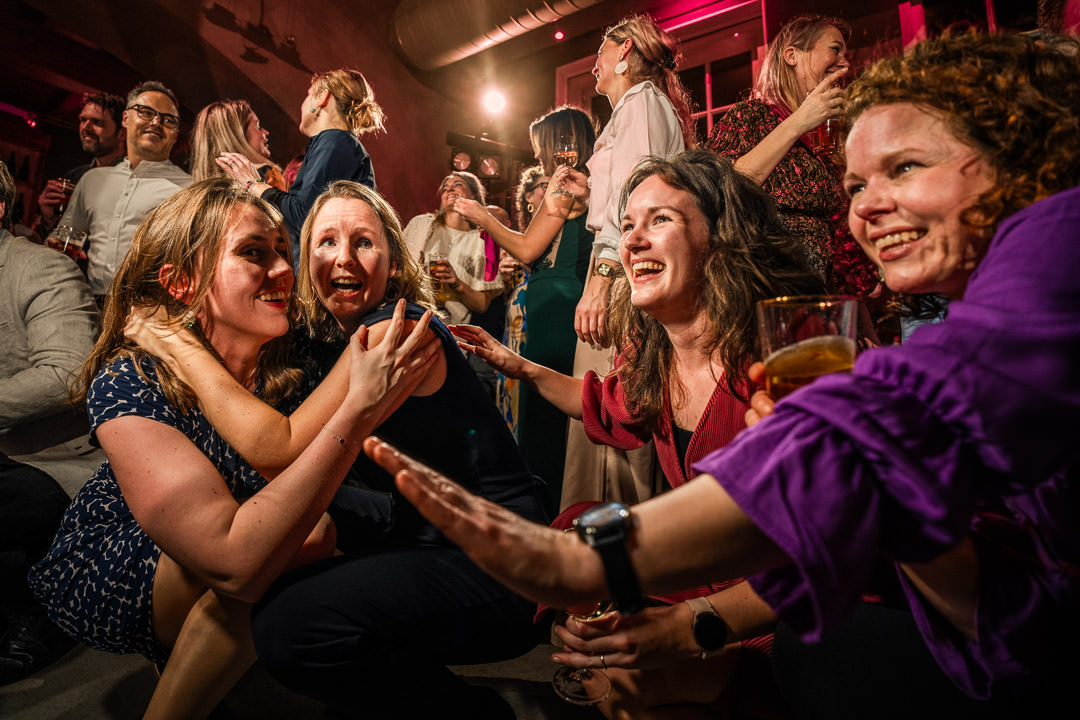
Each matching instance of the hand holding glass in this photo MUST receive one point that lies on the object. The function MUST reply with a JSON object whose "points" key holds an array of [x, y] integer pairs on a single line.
{"points": [[805, 337]]}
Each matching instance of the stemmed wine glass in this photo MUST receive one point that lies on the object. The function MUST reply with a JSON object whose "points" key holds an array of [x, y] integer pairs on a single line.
{"points": [[584, 686], [565, 154]]}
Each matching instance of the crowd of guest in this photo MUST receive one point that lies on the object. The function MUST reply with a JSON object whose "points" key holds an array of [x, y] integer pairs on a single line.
{"points": [[880, 542]]}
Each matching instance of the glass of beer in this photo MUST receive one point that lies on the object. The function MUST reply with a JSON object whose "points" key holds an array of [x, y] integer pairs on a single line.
{"points": [[434, 260], [70, 241], [805, 337], [67, 188]]}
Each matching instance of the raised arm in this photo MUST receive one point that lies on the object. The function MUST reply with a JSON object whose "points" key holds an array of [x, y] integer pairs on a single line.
{"points": [[823, 102], [529, 246], [180, 499], [562, 391], [269, 440]]}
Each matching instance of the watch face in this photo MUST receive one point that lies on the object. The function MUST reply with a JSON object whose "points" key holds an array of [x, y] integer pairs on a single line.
{"points": [[710, 632], [461, 160], [604, 514]]}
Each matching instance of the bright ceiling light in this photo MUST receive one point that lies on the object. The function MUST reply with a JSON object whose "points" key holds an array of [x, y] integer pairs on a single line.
{"points": [[494, 102]]}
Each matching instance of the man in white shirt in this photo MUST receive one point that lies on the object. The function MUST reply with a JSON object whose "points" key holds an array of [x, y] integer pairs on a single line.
{"points": [[109, 203]]}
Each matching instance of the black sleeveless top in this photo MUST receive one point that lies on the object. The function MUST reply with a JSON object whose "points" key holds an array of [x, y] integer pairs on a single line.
{"points": [[459, 432]]}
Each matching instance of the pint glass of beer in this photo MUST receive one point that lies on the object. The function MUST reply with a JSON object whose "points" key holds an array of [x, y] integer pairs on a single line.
{"points": [[805, 337]]}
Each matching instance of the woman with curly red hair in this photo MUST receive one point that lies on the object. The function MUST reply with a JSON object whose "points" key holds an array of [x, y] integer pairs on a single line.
{"points": [[938, 476]]}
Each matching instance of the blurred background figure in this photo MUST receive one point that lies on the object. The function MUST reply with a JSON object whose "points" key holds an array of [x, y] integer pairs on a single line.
{"points": [[48, 324], [556, 245], [101, 132], [231, 126], [779, 139], [338, 108]]}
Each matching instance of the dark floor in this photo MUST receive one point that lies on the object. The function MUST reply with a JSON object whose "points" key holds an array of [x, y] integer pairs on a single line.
{"points": [[90, 685]]}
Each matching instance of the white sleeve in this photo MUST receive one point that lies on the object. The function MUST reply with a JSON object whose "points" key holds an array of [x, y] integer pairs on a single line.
{"points": [[646, 124]]}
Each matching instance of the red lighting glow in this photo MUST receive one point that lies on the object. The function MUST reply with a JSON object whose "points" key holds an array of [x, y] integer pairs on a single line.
{"points": [[559, 34]]}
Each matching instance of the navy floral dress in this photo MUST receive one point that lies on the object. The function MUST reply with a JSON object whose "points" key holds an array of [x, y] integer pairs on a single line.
{"points": [[97, 579]]}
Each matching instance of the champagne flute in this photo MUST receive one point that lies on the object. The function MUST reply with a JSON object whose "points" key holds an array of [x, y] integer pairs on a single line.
{"points": [[584, 686]]}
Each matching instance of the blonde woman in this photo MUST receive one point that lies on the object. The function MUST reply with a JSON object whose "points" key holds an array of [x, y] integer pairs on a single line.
{"points": [[164, 550], [231, 126], [339, 107]]}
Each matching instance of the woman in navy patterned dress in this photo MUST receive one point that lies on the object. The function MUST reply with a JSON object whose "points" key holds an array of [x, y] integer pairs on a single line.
{"points": [[176, 534], [347, 630]]}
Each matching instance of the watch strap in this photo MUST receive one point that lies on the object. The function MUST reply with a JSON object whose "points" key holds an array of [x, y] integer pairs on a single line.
{"points": [[701, 607], [622, 580]]}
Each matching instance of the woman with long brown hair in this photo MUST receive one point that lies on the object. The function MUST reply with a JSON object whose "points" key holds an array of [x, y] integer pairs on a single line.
{"points": [[701, 245]]}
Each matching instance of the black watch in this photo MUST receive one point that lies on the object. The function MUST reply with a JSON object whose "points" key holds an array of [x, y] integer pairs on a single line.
{"points": [[710, 630], [606, 529]]}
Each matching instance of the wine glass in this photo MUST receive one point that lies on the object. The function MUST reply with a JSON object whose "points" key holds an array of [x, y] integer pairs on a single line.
{"points": [[565, 154], [565, 151], [584, 686]]}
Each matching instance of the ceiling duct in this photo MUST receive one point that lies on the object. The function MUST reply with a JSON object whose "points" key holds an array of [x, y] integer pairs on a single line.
{"points": [[434, 33]]}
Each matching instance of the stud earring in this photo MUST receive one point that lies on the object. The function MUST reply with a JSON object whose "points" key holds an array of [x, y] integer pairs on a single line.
{"points": [[621, 67], [314, 110]]}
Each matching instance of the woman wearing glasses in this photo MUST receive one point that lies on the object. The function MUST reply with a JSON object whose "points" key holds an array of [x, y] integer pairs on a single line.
{"points": [[339, 107]]}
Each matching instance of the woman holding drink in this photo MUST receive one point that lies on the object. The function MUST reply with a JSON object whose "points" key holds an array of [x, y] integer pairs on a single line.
{"points": [[773, 139], [701, 244], [556, 246], [373, 624], [948, 461]]}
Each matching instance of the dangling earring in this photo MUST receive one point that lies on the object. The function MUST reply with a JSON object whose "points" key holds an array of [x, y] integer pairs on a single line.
{"points": [[391, 293], [188, 320], [529, 207], [621, 67]]}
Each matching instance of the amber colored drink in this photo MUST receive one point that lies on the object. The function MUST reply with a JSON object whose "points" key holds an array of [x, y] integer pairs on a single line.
{"points": [[566, 157], [793, 366]]}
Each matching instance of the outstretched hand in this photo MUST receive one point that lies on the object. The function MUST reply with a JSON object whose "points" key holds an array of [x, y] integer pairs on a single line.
{"points": [[534, 560], [479, 342], [472, 211]]}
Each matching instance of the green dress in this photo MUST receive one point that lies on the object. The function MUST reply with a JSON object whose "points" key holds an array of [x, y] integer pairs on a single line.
{"points": [[556, 281]]}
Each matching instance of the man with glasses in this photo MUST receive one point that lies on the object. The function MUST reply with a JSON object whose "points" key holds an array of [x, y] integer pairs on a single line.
{"points": [[109, 203]]}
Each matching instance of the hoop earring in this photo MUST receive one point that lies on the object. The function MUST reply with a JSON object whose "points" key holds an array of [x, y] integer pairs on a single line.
{"points": [[621, 67], [529, 207]]}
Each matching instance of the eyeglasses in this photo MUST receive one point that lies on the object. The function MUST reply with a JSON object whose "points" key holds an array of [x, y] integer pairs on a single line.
{"points": [[148, 114]]}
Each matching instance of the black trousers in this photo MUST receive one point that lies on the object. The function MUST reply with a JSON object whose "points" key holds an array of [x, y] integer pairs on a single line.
{"points": [[31, 505], [372, 635], [878, 666]]}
